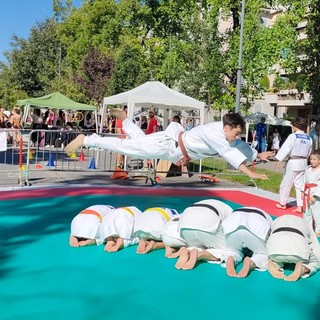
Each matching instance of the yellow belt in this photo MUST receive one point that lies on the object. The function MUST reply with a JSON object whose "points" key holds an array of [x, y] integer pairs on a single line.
{"points": [[128, 210], [160, 210]]}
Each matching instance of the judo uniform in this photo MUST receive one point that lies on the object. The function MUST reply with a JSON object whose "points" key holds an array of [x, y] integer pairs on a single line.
{"points": [[248, 227], [119, 223], [150, 224], [203, 141], [200, 227], [298, 147], [312, 187], [291, 241], [171, 234], [87, 224]]}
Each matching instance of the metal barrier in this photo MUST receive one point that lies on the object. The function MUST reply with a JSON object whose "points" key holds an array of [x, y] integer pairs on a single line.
{"points": [[44, 150]]}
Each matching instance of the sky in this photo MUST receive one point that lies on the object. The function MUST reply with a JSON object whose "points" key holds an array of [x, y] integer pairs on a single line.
{"points": [[18, 16]]}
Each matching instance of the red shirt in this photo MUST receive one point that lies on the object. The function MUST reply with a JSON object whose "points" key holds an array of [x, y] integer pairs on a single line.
{"points": [[152, 123]]}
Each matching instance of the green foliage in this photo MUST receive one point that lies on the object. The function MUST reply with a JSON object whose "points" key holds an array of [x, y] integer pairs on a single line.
{"points": [[265, 83], [175, 41]]}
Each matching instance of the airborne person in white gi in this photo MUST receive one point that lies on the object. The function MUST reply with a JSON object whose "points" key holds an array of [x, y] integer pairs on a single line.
{"points": [[175, 144]]}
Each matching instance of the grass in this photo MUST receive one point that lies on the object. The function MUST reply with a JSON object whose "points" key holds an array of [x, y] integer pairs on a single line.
{"points": [[219, 167]]}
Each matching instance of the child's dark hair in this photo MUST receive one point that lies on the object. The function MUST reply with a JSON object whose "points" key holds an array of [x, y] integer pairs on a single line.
{"points": [[233, 120], [316, 153], [299, 123]]}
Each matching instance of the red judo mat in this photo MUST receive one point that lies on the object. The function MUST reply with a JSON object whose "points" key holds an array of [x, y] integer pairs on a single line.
{"points": [[42, 277]]}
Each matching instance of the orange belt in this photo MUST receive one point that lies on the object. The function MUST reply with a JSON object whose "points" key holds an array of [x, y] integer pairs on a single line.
{"points": [[307, 194], [89, 211], [185, 157]]}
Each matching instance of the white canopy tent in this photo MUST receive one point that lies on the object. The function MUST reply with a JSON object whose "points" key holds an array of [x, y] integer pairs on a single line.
{"points": [[154, 94], [255, 118]]}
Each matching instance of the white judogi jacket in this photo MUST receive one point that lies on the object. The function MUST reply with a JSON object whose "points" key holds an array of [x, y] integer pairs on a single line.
{"points": [[312, 210], [291, 241], [171, 234], [87, 224], [119, 223], [150, 224], [202, 141], [297, 144], [248, 227], [200, 226]]}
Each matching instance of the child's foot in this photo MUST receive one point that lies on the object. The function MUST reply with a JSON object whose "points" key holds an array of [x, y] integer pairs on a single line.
{"points": [[75, 144], [297, 210], [248, 264], [281, 206], [73, 242], [231, 271]]}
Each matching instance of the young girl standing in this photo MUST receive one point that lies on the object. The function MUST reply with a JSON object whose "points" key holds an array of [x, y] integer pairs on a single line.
{"points": [[311, 192]]}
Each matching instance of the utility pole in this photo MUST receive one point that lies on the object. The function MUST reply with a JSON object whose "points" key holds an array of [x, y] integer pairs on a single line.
{"points": [[240, 58]]}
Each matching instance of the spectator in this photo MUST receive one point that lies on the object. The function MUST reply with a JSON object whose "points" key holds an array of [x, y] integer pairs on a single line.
{"points": [[144, 124], [275, 141], [259, 135]]}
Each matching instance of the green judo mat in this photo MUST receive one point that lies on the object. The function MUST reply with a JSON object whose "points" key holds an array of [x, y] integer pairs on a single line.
{"points": [[41, 277]]}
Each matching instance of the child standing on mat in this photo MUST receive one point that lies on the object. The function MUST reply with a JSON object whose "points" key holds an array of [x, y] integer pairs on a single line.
{"points": [[297, 147], [311, 192]]}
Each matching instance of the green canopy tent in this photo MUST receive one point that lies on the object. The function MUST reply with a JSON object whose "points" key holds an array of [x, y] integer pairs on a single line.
{"points": [[55, 100]]}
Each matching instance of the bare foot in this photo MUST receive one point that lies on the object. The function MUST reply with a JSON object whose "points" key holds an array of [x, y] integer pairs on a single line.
{"points": [[193, 258], [142, 246], [110, 243], [274, 271], [176, 254], [169, 251], [114, 244], [183, 258], [73, 241], [299, 270], [281, 206], [248, 265], [75, 144], [88, 242], [119, 113], [231, 271], [297, 210]]}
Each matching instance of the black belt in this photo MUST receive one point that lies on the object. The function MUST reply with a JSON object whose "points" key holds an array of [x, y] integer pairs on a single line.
{"points": [[205, 205], [250, 211], [288, 229]]}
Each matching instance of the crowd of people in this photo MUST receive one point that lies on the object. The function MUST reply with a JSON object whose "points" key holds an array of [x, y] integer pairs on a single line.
{"points": [[208, 230]]}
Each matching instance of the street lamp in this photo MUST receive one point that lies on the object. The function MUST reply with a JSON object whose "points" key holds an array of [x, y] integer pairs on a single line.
{"points": [[240, 58]]}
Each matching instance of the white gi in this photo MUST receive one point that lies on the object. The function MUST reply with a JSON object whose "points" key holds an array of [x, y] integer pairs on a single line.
{"points": [[291, 241], [248, 227], [200, 142], [150, 224], [298, 147], [87, 224], [312, 187], [171, 234], [200, 226], [119, 223]]}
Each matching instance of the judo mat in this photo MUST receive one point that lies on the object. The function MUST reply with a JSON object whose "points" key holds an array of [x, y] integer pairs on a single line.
{"points": [[42, 277]]}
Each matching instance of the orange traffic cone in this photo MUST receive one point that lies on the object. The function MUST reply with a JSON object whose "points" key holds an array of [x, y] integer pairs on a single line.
{"points": [[81, 157], [119, 174]]}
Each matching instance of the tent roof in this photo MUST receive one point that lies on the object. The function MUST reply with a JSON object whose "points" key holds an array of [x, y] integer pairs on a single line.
{"points": [[56, 100], [156, 94], [254, 118]]}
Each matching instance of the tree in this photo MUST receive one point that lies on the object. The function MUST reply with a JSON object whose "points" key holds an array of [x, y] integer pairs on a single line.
{"points": [[96, 70], [311, 48]]}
